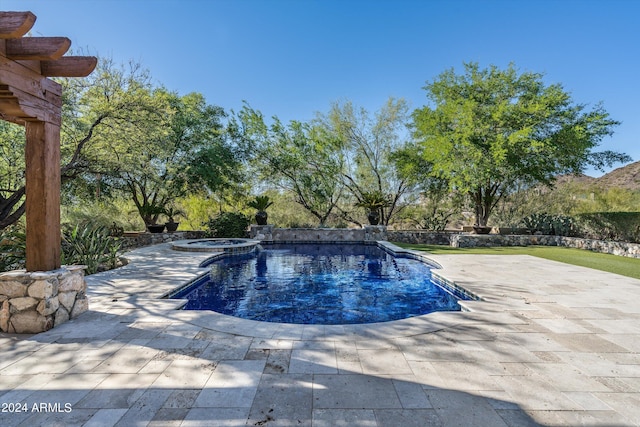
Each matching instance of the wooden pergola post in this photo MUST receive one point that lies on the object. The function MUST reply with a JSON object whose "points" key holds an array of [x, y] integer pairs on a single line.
{"points": [[42, 155], [29, 98]]}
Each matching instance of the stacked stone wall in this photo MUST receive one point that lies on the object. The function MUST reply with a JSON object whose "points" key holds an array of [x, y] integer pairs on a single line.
{"points": [[139, 240], [374, 233], [467, 240], [317, 234], [33, 302], [631, 250], [270, 233], [421, 237]]}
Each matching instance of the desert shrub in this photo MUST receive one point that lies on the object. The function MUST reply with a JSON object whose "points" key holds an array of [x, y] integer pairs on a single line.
{"points": [[107, 213], [430, 214], [340, 223], [84, 244], [285, 213], [228, 224], [597, 200], [619, 226], [301, 225], [556, 225], [13, 244], [198, 209], [437, 221]]}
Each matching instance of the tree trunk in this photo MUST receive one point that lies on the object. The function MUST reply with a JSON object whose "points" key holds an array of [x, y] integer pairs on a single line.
{"points": [[484, 201], [9, 214]]}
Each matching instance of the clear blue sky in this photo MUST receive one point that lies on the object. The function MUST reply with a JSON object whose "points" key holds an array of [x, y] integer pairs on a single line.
{"points": [[292, 58]]}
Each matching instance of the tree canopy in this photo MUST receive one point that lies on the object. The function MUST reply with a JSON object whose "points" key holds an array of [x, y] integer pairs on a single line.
{"points": [[483, 135], [334, 162], [299, 157], [145, 141], [176, 146], [367, 143], [123, 135], [487, 130]]}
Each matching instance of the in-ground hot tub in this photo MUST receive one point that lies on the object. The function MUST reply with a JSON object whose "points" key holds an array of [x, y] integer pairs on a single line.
{"points": [[230, 246]]}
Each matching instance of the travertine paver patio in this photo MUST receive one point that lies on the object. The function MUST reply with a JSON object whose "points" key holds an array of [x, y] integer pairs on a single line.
{"points": [[553, 344]]}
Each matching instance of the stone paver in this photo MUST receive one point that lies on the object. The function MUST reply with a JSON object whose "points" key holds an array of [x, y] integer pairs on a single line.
{"points": [[550, 344]]}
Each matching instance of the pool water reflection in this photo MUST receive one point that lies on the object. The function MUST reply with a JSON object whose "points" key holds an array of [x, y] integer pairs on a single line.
{"points": [[319, 284]]}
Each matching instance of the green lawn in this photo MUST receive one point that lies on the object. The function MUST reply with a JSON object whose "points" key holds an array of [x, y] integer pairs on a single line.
{"points": [[614, 264]]}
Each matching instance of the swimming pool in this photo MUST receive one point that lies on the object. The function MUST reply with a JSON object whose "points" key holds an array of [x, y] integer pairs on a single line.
{"points": [[319, 284]]}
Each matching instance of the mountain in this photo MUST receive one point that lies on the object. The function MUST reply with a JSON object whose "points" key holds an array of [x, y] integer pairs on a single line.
{"points": [[579, 178], [625, 177]]}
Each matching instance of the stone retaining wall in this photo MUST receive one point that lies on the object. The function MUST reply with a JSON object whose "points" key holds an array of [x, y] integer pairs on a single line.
{"points": [[33, 302], [272, 234], [375, 232], [139, 240], [465, 240], [631, 250], [421, 237]]}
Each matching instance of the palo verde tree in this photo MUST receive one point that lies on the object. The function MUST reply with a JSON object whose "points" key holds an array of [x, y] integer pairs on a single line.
{"points": [[488, 129], [299, 157], [367, 142]]}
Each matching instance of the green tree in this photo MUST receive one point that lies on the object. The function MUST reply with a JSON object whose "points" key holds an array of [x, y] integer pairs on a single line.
{"points": [[436, 203], [122, 135], [299, 157], [179, 148], [105, 99], [367, 143], [112, 100], [489, 129], [127, 136]]}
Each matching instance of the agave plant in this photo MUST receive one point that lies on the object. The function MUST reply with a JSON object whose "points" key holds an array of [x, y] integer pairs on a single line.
{"points": [[260, 203], [90, 245], [172, 212]]}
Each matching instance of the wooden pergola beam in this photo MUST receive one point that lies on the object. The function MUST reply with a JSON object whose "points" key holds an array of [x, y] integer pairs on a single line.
{"points": [[37, 97], [69, 66], [37, 48], [15, 24], [29, 98]]}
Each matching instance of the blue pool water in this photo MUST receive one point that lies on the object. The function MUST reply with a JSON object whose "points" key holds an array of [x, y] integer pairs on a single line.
{"points": [[318, 284]]}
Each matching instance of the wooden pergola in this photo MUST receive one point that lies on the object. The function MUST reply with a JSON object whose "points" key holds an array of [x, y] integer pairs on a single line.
{"points": [[29, 98]]}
